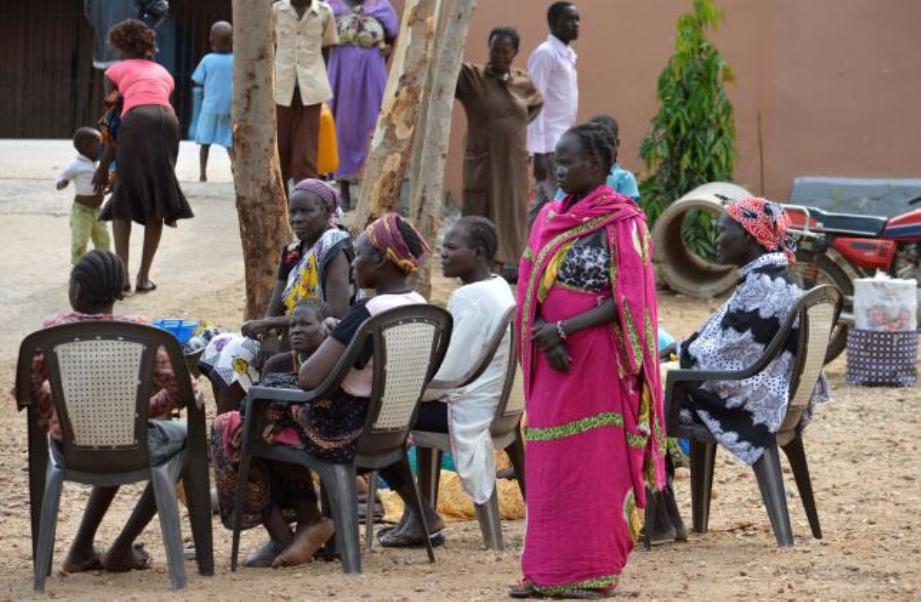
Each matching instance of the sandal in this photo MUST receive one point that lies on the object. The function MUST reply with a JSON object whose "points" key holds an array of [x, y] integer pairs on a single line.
{"points": [[388, 538], [523, 590], [149, 286]]}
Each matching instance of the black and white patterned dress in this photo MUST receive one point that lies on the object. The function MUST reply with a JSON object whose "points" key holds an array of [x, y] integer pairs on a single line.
{"points": [[745, 415]]}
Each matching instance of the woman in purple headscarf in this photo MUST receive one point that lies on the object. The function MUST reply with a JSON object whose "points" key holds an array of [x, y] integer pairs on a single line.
{"points": [[358, 75], [314, 267]]}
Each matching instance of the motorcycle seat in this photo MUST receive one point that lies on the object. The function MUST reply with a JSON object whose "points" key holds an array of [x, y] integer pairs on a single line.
{"points": [[843, 223]]}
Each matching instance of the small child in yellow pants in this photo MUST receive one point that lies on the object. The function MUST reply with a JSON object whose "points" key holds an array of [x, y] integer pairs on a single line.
{"points": [[84, 215]]}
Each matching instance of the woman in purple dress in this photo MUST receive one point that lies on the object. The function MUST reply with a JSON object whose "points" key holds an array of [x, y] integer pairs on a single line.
{"points": [[358, 74]]}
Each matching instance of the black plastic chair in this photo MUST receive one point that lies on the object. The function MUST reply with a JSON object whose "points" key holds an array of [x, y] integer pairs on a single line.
{"points": [[409, 346], [101, 376], [817, 312], [504, 430]]}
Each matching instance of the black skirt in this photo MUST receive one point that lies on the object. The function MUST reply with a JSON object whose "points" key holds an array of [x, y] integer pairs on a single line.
{"points": [[146, 187]]}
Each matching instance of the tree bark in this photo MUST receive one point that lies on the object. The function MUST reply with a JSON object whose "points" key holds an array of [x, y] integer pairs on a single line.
{"points": [[261, 205], [427, 203], [392, 143]]}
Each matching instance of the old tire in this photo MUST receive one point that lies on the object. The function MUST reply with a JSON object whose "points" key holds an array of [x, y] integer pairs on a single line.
{"points": [[682, 270]]}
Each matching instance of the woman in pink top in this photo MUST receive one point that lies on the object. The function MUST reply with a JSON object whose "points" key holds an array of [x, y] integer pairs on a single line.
{"points": [[146, 189]]}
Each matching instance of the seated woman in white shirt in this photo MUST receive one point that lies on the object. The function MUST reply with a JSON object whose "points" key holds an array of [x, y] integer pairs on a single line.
{"points": [[468, 251]]}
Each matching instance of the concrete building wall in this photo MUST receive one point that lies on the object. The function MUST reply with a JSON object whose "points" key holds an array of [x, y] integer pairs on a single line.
{"points": [[837, 83]]}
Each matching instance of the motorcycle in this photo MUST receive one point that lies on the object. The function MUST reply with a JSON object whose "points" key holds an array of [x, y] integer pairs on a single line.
{"points": [[837, 248]]}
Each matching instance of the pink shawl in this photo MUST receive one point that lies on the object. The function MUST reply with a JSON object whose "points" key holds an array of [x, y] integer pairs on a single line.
{"points": [[633, 290]]}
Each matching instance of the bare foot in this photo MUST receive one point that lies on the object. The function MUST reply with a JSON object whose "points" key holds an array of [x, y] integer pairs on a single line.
{"points": [[116, 561], [79, 562], [306, 543], [263, 557]]}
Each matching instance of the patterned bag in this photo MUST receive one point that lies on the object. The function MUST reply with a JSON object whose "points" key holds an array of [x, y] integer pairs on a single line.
{"points": [[886, 359]]}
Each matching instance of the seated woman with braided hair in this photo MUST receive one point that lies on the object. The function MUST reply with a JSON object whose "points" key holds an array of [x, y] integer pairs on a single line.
{"points": [[95, 285]]}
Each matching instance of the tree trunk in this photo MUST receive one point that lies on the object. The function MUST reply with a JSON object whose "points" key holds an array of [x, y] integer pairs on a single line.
{"points": [[261, 204], [428, 195], [392, 143], [415, 159]]}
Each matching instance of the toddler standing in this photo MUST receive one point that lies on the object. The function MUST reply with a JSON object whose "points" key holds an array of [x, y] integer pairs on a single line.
{"points": [[84, 215], [215, 74]]}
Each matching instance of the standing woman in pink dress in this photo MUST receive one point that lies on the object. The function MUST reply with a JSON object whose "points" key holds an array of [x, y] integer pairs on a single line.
{"points": [[358, 75], [586, 326], [146, 189]]}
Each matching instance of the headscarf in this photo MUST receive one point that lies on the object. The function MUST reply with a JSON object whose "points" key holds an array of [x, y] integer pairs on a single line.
{"points": [[767, 222], [384, 235], [327, 193]]}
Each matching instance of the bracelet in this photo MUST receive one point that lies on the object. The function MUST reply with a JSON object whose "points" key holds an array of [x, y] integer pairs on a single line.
{"points": [[560, 330]]}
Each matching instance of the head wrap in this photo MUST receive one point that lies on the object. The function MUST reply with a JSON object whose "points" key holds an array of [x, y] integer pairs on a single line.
{"points": [[767, 222], [327, 193], [384, 235]]}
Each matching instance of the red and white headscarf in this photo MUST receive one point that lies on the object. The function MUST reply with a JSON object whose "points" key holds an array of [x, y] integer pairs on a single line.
{"points": [[384, 235], [767, 222]]}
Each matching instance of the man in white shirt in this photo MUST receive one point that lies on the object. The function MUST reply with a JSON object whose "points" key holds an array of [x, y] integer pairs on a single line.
{"points": [[468, 253], [552, 66], [304, 30]]}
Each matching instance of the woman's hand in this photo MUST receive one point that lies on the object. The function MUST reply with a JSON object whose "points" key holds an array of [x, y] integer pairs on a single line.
{"points": [[101, 179], [546, 336], [558, 358], [329, 324], [255, 329]]}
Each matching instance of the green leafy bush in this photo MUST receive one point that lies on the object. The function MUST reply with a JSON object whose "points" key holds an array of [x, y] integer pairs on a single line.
{"points": [[692, 138]]}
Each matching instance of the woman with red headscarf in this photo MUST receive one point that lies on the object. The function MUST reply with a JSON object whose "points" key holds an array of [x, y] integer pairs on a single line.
{"points": [[744, 415]]}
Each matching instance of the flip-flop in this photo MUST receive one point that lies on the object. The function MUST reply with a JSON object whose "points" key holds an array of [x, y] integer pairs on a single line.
{"points": [[150, 286], [388, 539], [523, 590]]}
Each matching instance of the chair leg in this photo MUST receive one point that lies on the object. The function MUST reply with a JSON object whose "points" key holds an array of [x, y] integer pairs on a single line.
{"points": [[38, 472], [242, 477], [416, 502], [428, 461], [339, 484], [54, 484], [796, 454], [703, 459], [770, 481], [490, 522], [163, 478], [369, 510], [650, 518], [515, 453], [198, 491]]}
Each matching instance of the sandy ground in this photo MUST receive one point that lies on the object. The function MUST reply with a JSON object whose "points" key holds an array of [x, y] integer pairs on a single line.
{"points": [[863, 450]]}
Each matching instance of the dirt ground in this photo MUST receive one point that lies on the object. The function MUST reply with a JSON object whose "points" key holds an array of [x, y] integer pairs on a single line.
{"points": [[862, 448]]}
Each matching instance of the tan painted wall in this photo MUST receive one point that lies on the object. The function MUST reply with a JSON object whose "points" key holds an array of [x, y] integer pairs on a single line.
{"points": [[837, 82]]}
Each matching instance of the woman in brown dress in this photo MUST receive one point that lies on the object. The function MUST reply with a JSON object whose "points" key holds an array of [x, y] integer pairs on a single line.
{"points": [[499, 101]]}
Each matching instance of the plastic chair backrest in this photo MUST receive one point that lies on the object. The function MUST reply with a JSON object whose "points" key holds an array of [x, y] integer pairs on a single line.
{"points": [[409, 345], [818, 311], [101, 376], [509, 410]]}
